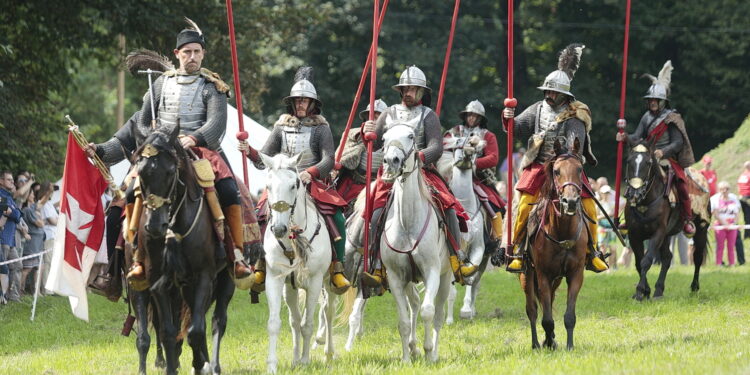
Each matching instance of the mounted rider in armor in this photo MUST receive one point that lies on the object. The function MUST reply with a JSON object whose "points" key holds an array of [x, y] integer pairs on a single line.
{"points": [[414, 112], [302, 130], [195, 99], [558, 117], [353, 175], [474, 129], [664, 129]]}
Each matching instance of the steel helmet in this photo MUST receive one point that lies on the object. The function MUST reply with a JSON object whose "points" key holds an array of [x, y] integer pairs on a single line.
{"points": [[659, 88], [380, 106], [567, 65], [303, 88], [412, 76], [474, 107]]}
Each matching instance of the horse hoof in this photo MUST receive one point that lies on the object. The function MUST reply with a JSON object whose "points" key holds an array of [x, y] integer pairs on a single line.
{"points": [[466, 314], [658, 297], [449, 321], [320, 340]]}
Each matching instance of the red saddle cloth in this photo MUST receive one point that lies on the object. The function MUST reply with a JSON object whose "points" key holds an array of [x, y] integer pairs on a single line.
{"points": [[533, 178]]}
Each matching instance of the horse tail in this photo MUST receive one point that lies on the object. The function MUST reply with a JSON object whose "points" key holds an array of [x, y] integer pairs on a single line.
{"points": [[185, 321], [172, 266], [342, 318]]}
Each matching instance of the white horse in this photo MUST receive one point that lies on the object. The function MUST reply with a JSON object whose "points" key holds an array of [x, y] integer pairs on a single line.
{"points": [[412, 245], [456, 167], [296, 265]]}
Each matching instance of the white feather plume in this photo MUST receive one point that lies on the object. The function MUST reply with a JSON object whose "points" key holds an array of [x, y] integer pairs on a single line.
{"points": [[665, 76], [193, 25]]}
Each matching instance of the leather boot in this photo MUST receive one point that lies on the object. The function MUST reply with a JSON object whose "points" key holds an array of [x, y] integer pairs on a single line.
{"points": [[233, 213], [594, 258], [338, 280], [260, 276], [497, 226], [516, 263], [377, 278]]}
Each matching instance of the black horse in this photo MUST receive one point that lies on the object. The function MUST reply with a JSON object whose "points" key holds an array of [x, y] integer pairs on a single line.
{"points": [[650, 216], [186, 260]]}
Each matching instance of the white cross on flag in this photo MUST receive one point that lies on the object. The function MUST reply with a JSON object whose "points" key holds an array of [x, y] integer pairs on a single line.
{"points": [[80, 229]]}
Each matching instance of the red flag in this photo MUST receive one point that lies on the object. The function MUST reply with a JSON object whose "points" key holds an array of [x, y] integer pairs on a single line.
{"points": [[80, 229]]}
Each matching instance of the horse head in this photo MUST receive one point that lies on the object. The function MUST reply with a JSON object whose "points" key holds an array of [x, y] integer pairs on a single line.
{"points": [[399, 152], [566, 171], [282, 185], [157, 163], [639, 169]]}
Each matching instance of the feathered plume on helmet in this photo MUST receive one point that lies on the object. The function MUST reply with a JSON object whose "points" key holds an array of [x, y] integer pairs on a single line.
{"points": [[570, 59], [143, 59], [660, 85]]}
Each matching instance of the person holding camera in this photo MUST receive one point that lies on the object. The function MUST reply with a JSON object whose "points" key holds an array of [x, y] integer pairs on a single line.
{"points": [[9, 274]]}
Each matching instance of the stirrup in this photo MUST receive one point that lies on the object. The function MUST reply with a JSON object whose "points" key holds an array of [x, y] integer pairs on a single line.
{"points": [[691, 232], [339, 282], [100, 284], [515, 264], [468, 269], [137, 277]]}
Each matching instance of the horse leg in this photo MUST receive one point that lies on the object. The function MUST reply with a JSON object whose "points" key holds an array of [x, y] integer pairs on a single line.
{"points": [[427, 311], [168, 332], [531, 304], [442, 294], [313, 293], [575, 282], [412, 297], [320, 334], [274, 284], [330, 301], [643, 290], [143, 342], [666, 262], [699, 252], [355, 320], [160, 362], [224, 292], [404, 325], [201, 297], [450, 303], [291, 296], [548, 321]]}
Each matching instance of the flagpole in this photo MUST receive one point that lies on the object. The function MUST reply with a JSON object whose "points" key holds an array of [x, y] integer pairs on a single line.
{"points": [[447, 59], [370, 137], [98, 163], [621, 123], [510, 102], [358, 94], [242, 134]]}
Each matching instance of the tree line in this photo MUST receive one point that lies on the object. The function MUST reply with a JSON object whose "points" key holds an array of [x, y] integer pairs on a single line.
{"points": [[56, 60]]}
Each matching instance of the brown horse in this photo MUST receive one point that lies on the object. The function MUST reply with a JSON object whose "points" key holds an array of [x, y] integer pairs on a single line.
{"points": [[558, 244]]}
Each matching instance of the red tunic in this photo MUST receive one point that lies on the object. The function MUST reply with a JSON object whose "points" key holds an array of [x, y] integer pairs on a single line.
{"points": [[441, 194], [348, 189], [533, 177]]}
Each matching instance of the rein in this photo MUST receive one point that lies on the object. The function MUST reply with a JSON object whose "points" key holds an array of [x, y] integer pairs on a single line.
{"points": [[419, 237]]}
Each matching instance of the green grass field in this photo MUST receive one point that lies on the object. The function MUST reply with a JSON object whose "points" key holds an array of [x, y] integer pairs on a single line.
{"points": [[684, 333]]}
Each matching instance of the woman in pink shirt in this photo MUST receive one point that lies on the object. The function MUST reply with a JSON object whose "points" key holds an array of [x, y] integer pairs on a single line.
{"points": [[726, 208]]}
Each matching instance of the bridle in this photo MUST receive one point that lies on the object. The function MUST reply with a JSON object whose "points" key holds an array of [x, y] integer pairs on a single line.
{"points": [[402, 173], [153, 201], [640, 192]]}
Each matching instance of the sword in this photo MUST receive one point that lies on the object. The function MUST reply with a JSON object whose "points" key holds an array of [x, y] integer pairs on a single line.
{"points": [[149, 72]]}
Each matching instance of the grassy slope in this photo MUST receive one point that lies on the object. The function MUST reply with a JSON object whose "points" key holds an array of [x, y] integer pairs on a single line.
{"points": [[731, 155], [681, 334]]}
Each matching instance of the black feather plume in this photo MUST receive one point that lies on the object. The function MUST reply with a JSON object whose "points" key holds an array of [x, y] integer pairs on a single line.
{"points": [[304, 72], [142, 59], [570, 59]]}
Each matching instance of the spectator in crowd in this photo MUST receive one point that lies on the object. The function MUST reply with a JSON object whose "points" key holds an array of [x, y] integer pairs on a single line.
{"points": [[503, 168], [23, 184], [49, 215], [601, 181], [606, 236], [709, 173], [594, 185], [32, 214], [726, 208], [743, 187], [10, 275]]}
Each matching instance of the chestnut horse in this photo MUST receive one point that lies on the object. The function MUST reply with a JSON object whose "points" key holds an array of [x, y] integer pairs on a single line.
{"points": [[558, 244]]}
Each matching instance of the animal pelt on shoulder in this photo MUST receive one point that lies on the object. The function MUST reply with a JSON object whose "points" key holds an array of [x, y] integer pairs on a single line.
{"points": [[353, 148], [577, 110], [293, 121], [209, 76], [685, 157]]}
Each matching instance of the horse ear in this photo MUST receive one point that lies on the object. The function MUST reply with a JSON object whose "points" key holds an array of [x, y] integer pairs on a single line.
{"points": [[174, 132], [294, 160], [576, 146], [267, 160], [558, 147]]}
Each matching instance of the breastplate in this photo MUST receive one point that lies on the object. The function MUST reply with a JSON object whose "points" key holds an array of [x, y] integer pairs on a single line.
{"points": [[549, 127], [410, 116], [181, 98], [295, 140]]}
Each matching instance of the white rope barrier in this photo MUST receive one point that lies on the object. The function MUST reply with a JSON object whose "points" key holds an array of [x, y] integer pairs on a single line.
{"points": [[38, 282], [731, 226]]}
